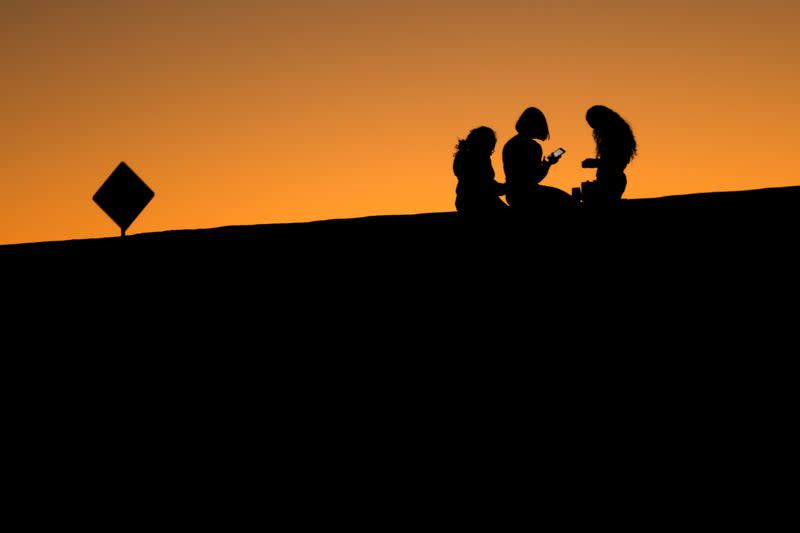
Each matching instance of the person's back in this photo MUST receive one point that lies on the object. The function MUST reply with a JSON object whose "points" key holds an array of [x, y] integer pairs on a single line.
{"points": [[611, 170], [522, 164]]}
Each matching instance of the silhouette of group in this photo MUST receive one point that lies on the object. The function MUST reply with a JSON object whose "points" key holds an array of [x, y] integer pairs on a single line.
{"points": [[478, 193]]}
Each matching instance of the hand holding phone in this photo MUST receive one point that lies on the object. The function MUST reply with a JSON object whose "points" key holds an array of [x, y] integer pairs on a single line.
{"points": [[555, 156]]}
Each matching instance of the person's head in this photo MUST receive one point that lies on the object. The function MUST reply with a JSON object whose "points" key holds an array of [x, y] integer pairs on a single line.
{"points": [[611, 132], [482, 139], [599, 116], [532, 124]]}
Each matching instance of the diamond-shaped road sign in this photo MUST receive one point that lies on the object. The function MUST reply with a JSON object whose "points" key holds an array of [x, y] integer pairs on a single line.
{"points": [[123, 196]]}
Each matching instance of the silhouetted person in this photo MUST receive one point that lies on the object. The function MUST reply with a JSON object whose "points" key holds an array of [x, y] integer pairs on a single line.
{"points": [[477, 192], [525, 168], [616, 146]]}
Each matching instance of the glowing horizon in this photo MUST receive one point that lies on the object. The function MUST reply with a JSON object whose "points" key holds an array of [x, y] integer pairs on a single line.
{"points": [[252, 112]]}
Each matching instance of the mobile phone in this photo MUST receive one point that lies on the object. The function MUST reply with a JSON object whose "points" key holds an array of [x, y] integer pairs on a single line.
{"points": [[558, 153]]}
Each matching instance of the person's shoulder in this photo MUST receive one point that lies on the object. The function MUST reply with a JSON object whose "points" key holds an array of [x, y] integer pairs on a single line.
{"points": [[533, 144], [515, 142], [523, 141]]}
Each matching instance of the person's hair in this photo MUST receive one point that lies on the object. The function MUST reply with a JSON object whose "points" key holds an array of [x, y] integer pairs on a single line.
{"points": [[532, 124], [480, 136], [611, 133]]}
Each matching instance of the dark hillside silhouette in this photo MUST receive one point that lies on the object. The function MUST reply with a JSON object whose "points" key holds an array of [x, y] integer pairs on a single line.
{"points": [[655, 339], [435, 257], [707, 260], [652, 293], [743, 217]]}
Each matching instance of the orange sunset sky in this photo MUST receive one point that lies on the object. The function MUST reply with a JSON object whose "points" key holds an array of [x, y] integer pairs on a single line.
{"points": [[255, 111]]}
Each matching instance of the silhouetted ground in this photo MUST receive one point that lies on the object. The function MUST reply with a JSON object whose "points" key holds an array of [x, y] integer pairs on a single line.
{"points": [[670, 256], [331, 367]]}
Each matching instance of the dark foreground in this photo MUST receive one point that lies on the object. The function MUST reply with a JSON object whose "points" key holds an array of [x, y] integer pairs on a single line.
{"points": [[661, 265], [403, 363]]}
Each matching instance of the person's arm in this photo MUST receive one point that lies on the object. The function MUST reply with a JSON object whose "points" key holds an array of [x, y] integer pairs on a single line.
{"points": [[546, 164], [591, 163], [539, 167]]}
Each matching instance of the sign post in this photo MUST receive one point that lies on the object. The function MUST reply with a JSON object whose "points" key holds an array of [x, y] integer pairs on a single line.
{"points": [[123, 196]]}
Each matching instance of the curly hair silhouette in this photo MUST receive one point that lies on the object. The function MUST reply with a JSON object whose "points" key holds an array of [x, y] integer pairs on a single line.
{"points": [[477, 192], [615, 147]]}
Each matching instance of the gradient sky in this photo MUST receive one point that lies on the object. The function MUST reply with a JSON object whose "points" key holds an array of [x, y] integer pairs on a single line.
{"points": [[249, 112]]}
